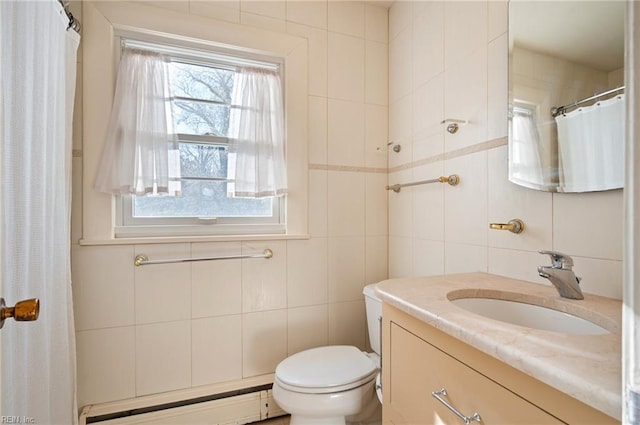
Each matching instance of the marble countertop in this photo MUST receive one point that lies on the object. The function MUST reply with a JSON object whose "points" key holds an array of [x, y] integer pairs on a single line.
{"points": [[587, 367]]}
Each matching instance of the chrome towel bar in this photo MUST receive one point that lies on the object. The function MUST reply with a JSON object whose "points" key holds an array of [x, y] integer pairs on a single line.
{"points": [[453, 180], [143, 259]]}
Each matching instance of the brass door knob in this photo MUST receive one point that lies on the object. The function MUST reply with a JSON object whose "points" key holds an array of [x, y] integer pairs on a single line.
{"points": [[23, 311]]}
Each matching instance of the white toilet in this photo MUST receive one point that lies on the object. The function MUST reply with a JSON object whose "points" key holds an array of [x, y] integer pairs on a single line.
{"points": [[333, 385]]}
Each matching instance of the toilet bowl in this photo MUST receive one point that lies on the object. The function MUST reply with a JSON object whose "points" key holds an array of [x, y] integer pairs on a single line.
{"points": [[332, 385]]}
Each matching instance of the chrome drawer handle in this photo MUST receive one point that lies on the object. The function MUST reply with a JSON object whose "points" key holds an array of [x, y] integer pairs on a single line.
{"points": [[466, 419]]}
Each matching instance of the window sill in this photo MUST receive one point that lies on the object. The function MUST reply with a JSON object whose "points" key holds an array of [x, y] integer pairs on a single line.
{"points": [[188, 239]]}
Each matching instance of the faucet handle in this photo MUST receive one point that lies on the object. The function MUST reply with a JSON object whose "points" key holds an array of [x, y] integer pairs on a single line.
{"points": [[559, 260]]}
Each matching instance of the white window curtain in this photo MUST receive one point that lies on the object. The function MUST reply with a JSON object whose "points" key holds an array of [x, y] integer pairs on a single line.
{"points": [[525, 149], [38, 67], [141, 154], [256, 165]]}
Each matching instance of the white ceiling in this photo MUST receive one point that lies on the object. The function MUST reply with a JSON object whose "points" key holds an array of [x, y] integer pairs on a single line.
{"points": [[587, 32]]}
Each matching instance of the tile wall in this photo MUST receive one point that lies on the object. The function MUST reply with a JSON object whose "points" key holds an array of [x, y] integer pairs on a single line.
{"points": [[449, 60], [145, 330]]}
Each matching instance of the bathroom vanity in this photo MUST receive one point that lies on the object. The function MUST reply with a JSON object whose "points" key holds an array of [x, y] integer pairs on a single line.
{"points": [[437, 354]]}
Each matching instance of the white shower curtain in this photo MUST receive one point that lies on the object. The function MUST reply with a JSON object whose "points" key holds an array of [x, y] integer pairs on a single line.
{"points": [[38, 66], [591, 146]]}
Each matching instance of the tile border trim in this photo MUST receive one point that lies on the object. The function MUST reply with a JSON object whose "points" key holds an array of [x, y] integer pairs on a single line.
{"points": [[491, 144], [468, 150]]}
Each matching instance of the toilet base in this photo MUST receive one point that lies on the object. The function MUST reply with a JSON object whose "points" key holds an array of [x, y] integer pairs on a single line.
{"points": [[305, 420]]}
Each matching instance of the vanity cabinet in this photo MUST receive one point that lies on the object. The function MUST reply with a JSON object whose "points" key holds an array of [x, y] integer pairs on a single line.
{"points": [[419, 360]]}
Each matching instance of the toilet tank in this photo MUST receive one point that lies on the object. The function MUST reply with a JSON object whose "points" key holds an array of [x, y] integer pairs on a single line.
{"points": [[373, 306]]}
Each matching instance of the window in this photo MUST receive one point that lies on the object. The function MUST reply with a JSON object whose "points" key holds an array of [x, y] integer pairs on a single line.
{"points": [[201, 87]]}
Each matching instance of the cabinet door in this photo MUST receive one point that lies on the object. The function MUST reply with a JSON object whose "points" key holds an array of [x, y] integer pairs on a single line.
{"points": [[418, 369]]}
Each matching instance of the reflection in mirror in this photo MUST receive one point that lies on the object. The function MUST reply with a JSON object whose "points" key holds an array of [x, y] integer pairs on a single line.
{"points": [[566, 95]]}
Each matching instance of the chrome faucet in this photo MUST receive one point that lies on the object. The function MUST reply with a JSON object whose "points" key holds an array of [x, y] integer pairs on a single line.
{"points": [[561, 275]]}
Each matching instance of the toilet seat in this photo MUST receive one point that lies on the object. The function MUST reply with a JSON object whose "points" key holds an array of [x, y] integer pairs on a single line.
{"points": [[325, 370]]}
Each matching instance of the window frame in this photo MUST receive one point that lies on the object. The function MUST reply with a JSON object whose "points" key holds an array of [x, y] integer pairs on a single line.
{"points": [[128, 226]]}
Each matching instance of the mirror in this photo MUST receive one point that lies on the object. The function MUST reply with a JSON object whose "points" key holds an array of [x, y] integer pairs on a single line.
{"points": [[566, 95]]}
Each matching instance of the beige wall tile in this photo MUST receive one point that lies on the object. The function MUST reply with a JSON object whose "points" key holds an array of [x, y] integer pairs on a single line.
{"points": [[376, 205], [318, 199], [318, 123], [307, 327], [400, 17], [348, 324], [264, 341], [464, 258], [498, 12], [346, 268], [428, 257], [588, 224], [465, 205], [376, 136], [401, 130], [216, 349], [346, 120], [313, 12], [400, 206], [264, 281], [216, 286], [261, 21], [317, 40], [498, 65], [106, 365], [400, 65], [376, 24], [272, 9], [163, 291], [376, 259], [347, 17], [428, 43], [179, 6], [307, 271], [602, 277], [221, 10], [346, 63], [517, 264], [103, 286], [428, 113], [428, 203], [346, 203], [465, 29], [376, 73], [163, 357], [400, 256]]}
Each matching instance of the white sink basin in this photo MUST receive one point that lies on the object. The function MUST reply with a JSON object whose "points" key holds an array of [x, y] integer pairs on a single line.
{"points": [[529, 315]]}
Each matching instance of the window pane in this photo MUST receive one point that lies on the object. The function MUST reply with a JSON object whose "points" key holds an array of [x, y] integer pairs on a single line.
{"points": [[201, 199], [201, 82], [192, 117], [203, 160]]}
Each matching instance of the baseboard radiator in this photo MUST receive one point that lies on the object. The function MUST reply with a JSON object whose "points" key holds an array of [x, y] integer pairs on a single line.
{"points": [[239, 406]]}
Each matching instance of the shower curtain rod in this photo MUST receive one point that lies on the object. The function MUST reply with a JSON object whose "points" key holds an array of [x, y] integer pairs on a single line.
{"points": [[562, 109], [74, 24]]}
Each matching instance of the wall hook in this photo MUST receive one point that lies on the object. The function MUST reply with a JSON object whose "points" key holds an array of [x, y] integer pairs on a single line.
{"points": [[396, 148], [454, 124]]}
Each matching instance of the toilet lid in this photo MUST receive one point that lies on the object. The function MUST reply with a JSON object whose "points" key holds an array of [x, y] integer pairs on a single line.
{"points": [[325, 367]]}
